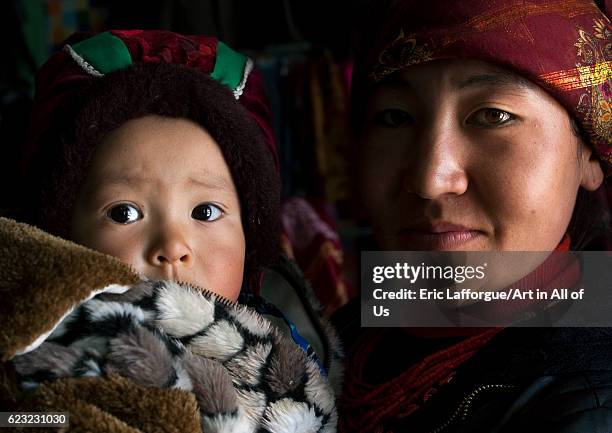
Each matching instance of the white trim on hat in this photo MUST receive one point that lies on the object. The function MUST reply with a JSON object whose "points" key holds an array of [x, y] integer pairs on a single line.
{"points": [[82, 62], [248, 67]]}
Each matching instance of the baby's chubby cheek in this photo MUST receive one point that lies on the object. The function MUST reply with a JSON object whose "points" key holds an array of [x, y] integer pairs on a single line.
{"points": [[125, 250], [222, 274], [226, 281]]}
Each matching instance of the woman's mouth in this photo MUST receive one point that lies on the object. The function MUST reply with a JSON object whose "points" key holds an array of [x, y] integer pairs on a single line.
{"points": [[438, 237]]}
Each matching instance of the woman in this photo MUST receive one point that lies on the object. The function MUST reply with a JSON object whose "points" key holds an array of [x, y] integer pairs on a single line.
{"points": [[480, 131]]}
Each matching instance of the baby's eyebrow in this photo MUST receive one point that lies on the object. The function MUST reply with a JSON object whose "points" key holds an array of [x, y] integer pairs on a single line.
{"points": [[209, 181], [212, 182]]}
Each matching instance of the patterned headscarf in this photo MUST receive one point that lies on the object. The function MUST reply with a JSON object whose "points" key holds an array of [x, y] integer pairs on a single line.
{"points": [[564, 46]]}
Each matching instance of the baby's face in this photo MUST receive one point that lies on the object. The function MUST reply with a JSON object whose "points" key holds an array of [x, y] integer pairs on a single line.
{"points": [[160, 197]]}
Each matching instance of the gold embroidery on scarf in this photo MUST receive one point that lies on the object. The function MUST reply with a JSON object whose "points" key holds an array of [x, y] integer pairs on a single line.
{"points": [[594, 104], [508, 15], [403, 51], [580, 77]]}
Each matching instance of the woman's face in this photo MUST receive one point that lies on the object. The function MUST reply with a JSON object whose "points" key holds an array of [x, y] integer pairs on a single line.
{"points": [[465, 156]]}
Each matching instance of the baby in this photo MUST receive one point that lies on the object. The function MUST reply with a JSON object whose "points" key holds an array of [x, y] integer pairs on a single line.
{"points": [[154, 148], [160, 196], [157, 162]]}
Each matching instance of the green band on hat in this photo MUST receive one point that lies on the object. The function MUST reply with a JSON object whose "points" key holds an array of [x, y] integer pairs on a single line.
{"points": [[229, 66], [104, 52]]}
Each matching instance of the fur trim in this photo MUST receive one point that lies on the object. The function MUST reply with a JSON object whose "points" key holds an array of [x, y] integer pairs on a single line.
{"points": [[244, 374]]}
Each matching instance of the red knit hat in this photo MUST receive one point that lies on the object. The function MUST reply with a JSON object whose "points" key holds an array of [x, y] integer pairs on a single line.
{"points": [[100, 82]]}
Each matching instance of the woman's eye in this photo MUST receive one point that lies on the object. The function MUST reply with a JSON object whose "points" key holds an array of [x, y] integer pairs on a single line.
{"points": [[124, 213], [206, 212], [490, 117], [393, 118]]}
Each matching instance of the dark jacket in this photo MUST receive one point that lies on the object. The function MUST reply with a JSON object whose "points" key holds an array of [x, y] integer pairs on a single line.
{"points": [[524, 380]]}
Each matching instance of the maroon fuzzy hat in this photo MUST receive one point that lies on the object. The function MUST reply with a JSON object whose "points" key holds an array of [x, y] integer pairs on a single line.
{"points": [[98, 83]]}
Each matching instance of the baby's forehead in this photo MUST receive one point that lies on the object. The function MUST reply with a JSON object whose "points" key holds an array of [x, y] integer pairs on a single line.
{"points": [[116, 182], [155, 152]]}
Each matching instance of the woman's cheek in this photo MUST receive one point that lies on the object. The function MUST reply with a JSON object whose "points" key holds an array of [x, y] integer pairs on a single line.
{"points": [[529, 201], [382, 162]]}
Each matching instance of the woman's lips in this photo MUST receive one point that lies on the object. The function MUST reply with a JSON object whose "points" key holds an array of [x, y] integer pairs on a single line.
{"points": [[438, 237]]}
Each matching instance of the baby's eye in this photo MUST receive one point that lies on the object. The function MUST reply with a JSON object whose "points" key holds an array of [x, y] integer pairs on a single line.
{"points": [[393, 118], [124, 213], [490, 117], [206, 212]]}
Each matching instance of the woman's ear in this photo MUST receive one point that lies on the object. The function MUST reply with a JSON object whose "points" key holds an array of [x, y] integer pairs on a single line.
{"points": [[592, 173]]}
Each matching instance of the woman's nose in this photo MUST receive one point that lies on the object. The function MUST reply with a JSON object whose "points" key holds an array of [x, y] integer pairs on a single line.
{"points": [[438, 165], [170, 248]]}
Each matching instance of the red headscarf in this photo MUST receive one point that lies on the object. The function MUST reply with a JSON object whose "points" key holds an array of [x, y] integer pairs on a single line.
{"points": [[562, 45]]}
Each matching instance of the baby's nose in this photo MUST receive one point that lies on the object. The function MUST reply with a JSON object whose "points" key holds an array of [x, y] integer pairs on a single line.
{"points": [[170, 250], [173, 259]]}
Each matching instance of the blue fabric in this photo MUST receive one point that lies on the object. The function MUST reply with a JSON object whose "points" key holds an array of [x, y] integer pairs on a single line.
{"points": [[264, 307]]}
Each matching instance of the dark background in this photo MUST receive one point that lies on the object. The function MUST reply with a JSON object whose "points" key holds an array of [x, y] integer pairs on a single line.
{"points": [[287, 37]]}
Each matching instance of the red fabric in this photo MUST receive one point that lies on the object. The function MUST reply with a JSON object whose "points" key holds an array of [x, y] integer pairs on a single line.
{"points": [[312, 241], [565, 272], [562, 45], [162, 46], [58, 81], [364, 406], [255, 100]]}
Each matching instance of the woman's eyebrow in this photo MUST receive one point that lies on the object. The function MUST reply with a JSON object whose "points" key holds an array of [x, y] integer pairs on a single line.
{"points": [[497, 79], [398, 82], [116, 179]]}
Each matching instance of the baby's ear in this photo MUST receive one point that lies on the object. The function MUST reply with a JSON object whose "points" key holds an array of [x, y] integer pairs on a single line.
{"points": [[592, 173]]}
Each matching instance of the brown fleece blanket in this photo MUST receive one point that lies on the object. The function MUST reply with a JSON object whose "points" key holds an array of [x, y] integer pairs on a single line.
{"points": [[32, 302], [236, 372]]}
